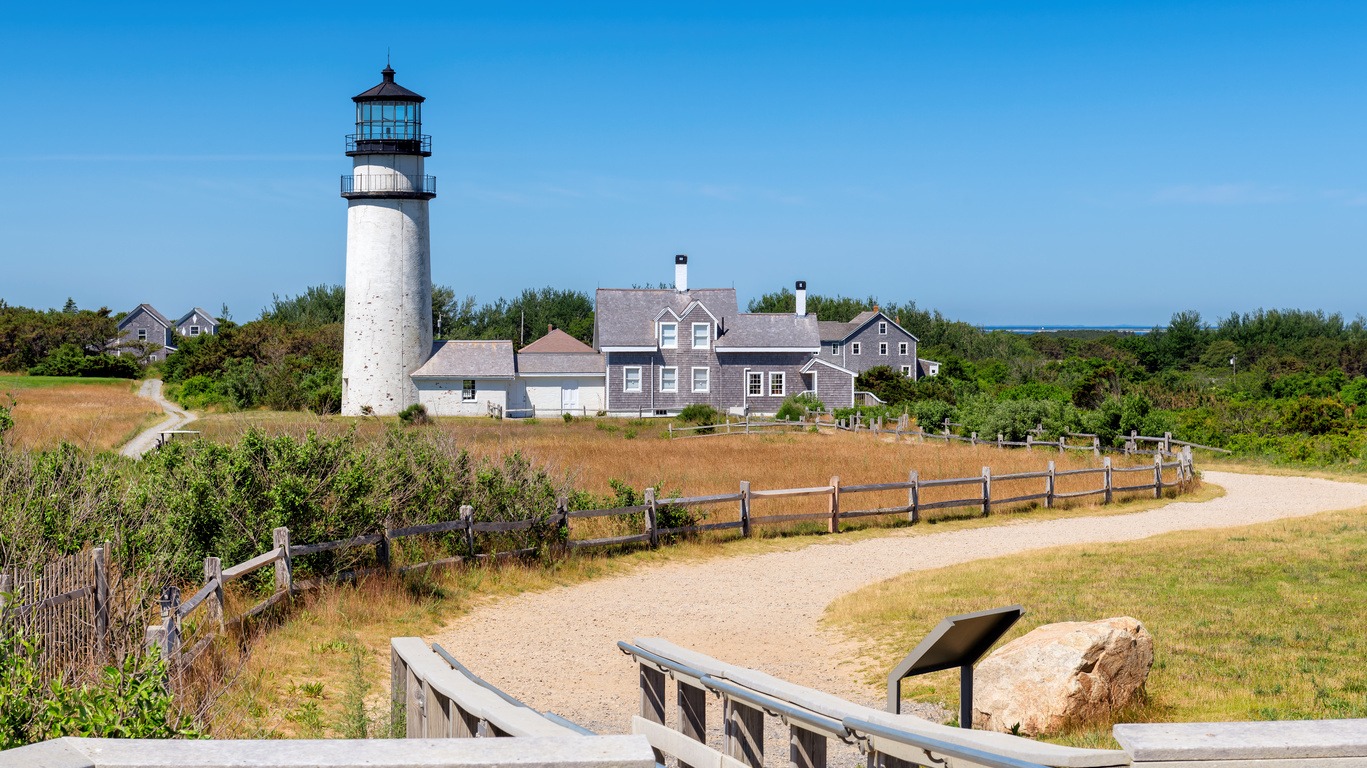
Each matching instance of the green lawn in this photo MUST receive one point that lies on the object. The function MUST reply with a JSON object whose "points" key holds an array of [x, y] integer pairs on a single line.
{"points": [[14, 382], [1257, 623]]}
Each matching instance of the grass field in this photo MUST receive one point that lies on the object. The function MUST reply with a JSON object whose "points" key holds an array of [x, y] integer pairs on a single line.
{"points": [[96, 414], [1257, 623]]}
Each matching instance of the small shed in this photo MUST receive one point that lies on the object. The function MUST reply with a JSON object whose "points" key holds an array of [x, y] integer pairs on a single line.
{"points": [[466, 378], [558, 374]]}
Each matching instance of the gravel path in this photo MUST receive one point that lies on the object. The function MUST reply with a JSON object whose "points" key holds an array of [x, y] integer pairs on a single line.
{"points": [[175, 419], [557, 651]]}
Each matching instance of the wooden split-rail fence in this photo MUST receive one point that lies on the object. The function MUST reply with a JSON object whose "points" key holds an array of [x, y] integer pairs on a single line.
{"points": [[169, 635]]}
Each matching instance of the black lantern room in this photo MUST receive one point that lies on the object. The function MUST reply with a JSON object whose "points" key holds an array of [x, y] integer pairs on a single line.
{"points": [[389, 121]]}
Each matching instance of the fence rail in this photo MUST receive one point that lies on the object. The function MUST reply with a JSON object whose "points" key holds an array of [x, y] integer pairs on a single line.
{"points": [[208, 597]]}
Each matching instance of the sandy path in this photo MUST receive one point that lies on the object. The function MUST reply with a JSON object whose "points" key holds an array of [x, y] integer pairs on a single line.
{"points": [[175, 419], [556, 650]]}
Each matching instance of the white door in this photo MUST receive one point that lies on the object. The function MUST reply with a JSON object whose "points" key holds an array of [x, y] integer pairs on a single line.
{"points": [[569, 396]]}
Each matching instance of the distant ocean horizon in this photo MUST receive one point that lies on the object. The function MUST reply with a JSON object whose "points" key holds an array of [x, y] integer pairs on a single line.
{"points": [[1027, 328]]}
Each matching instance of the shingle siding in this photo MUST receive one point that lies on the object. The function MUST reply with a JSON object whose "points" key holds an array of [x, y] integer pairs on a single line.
{"points": [[868, 357], [157, 332], [833, 388]]}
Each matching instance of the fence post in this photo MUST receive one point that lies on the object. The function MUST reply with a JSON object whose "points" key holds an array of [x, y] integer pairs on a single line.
{"points": [[1108, 483], [101, 600], [1062, 441], [1049, 488], [1096, 446], [987, 491], [213, 572], [670, 425], [1167, 442], [946, 425], [562, 510], [1029, 442], [745, 508], [652, 523], [835, 505], [914, 496], [999, 439], [467, 516], [170, 628], [974, 438], [1158, 475], [284, 568]]}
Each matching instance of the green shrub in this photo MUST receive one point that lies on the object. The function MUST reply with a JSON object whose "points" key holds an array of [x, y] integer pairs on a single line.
{"points": [[7, 415], [415, 414], [796, 407], [569, 418], [71, 360], [700, 414]]}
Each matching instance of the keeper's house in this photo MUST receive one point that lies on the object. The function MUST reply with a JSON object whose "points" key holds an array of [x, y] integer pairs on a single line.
{"points": [[665, 349]]}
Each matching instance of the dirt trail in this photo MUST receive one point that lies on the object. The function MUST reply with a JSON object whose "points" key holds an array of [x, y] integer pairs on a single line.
{"points": [[557, 651], [175, 419]]}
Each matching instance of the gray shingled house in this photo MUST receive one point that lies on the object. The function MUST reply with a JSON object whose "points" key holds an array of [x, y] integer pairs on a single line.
{"points": [[668, 348], [197, 322], [872, 339], [145, 328]]}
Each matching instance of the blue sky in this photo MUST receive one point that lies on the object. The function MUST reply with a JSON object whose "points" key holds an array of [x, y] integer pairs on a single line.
{"points": [[1003, 162]]}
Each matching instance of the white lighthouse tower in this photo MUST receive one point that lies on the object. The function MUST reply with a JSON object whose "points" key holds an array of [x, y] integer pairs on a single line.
{"points": [[388, 332]]}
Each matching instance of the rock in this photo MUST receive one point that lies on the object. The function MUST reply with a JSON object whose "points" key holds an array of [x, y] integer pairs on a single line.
{"points": [[1074, 671]]}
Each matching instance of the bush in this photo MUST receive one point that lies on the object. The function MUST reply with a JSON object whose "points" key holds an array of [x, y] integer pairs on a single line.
{"points": [[415, 414], [699, 413], [569, 418], [71, 360], [6, 416], [796, 407]]}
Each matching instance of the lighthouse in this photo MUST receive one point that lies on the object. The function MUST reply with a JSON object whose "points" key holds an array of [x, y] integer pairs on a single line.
{"points": [[388, 330]]}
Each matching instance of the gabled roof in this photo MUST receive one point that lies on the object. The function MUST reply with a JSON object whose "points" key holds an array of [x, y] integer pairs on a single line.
{"points": [[814, 362], [469, 360], [626, 316], [557, 341], [546, 363], [207, 318], [150, 310], [770, 332], [834, 331]]}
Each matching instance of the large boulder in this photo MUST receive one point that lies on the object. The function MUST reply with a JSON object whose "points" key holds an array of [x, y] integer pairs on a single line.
{"points": [[1074, 671]]}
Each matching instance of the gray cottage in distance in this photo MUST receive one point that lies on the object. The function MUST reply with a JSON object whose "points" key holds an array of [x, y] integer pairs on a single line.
{"points": [[145, 326], [666, 349], [872, 339]]}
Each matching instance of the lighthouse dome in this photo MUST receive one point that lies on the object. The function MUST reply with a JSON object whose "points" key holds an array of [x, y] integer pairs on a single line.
{"points": [[388, 90]]}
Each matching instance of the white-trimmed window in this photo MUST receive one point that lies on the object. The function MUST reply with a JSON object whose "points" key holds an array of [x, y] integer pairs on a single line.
{"points": [[669, 379], [467, 389], [906, 370], [702, 379], [901, 347], [882, 329], [754, 384], [702, 335], [631, 378], [854, 347], [142, 334], [669, 335], [835, 348], [882, 347], [194, 330], [776, 383]]}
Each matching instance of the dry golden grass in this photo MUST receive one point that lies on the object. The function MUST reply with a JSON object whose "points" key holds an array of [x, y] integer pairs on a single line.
{"points": [[95, 415], [1261, 622]]}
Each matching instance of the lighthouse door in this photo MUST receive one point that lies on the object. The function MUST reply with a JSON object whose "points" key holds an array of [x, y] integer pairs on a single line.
{"points": [[569, 396]]}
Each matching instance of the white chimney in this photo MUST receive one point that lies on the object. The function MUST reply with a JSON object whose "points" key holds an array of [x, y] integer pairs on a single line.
{"points": [[681, 273], [801, 291]]}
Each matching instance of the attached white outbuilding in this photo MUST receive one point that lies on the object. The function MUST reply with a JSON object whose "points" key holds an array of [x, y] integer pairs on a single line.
{"points": [[466, 378], [559, 374]]}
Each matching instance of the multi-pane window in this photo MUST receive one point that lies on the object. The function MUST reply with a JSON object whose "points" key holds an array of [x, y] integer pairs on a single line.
{"points": [[854, 347], [882, 329], [702, 335], [755, 384], [142, 334], [701, 379], [194, 330], [669, 335], [906, 370], [669, 379], [467, 389], [835, 348], [776, 384], [901, 347], [388, 120], [631, 379], [882, 347]]}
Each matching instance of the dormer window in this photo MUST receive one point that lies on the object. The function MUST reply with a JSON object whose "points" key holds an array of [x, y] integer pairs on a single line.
{"points": [[882, 329], [669, 335], [702, 335]]}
